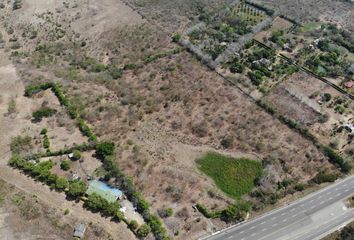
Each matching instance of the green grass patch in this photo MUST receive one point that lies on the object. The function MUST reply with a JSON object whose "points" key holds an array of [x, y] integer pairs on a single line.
{"points": [[235, 177], [310, 27]]}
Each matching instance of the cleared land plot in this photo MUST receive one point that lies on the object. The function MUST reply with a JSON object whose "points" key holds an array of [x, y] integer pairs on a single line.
{"points": [[235, 177], [83, 168], [279, 24], [61, 129], [310, 101]]}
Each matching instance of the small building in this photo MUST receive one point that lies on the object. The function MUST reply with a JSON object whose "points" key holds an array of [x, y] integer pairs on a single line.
{"points": [[349, 84], [79, 230], [71, 156], [105, 191], [316, 42], [73, 176], [287, 48]]}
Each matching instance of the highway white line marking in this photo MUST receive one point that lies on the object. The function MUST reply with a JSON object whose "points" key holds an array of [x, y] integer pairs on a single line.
{"points": [[313, 207], [252, 227], [292, 210], [285, 220], [330, 198], [312, 200], [253, 234], [322, 202], [275, 224], [264, 229], [273, 218], [230, 237], [346, 190], [294, 215], [262, 223], [328, 193], [283, 213], [242, 232], [302, 205]]}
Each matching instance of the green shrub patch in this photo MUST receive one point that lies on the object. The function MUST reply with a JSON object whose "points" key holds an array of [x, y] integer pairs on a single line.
{"points": [[235, 177]]}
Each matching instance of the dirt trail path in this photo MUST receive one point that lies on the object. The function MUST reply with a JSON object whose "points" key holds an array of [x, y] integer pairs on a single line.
{"points": [[11, 88]]}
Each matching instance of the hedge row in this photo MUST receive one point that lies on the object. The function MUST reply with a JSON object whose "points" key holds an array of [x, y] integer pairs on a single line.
{"points": [[64, 101], [33, 89], [203, 210], [41, 172], [234, 212], [333, 156]]}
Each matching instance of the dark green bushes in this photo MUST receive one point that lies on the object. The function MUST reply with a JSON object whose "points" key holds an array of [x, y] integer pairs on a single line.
{"points": [[65, 165], [43, 112], [105, 149], [33, 89], [256, 77], [76, 189], [96, 203], [76, 155], [233, 213], [203, 210], [46, 143], [336, 159], [39, 171], [143, 231], [323, 177], [236, 212], [86, 130]]}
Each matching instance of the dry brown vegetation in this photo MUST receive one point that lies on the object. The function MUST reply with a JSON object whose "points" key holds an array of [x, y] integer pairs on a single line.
{"points": [[313, 10], [306, 104], [165, 114]]}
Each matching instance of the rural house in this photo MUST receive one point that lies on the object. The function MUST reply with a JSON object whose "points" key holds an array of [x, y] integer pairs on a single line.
{"points": [[104, 190]]}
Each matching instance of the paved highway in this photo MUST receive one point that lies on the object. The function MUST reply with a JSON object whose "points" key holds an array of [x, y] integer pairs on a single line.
{"points": [[310, 218]]}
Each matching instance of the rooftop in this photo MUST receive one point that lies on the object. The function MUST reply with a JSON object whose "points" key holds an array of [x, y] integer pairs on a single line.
{"points": [[79, 230], [104, 190]]}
